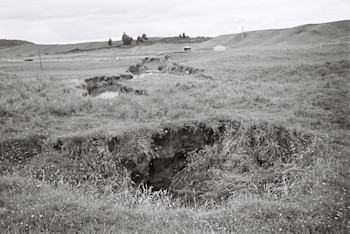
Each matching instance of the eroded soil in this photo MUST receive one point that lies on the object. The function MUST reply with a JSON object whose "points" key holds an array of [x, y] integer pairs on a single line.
{"points": [[171, 151], [164, 65], [101, 84]]}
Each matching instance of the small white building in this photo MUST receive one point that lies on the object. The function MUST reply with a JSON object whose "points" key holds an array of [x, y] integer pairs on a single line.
{"points": [[187, 49], [219, 48]]}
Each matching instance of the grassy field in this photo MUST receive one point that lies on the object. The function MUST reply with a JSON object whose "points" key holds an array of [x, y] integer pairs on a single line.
{"points": [[265, 133]]}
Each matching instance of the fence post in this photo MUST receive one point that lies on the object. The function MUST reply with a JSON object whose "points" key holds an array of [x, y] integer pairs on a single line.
{"points": [[41, 65]]}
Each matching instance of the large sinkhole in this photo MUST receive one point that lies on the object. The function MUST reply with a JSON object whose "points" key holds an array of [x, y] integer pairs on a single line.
{"points": [[178, 153], [237, 147], [218, 156], [169, 151]]}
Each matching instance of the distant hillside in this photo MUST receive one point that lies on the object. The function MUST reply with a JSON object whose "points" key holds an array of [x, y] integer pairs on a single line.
{"points": [[305, 35], [10, 43], [32, 49], [29, 49]]}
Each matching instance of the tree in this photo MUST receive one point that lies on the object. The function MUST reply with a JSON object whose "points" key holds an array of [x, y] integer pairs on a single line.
{"points": [[180, 35], [144, 36], [110, 42], [139, 39], [126, 39], [183, 35]]}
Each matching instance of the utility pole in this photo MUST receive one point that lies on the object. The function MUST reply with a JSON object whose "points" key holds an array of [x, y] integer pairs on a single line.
{"points": [[242, 33], [41, 65]]}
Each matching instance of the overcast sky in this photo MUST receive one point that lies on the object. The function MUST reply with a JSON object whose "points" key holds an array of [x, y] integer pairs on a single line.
{"points": [[72, 21]]}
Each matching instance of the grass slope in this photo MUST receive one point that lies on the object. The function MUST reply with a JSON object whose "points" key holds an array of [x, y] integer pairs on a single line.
{"points": [[10, 43], [310, 34]]}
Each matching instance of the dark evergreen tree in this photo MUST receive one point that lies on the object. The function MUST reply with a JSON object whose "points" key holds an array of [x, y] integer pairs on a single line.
{"points": [[126, 39], [139, 40]]}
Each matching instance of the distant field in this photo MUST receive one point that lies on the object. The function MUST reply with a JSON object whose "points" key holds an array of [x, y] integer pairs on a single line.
{"points": [[250, 139]]}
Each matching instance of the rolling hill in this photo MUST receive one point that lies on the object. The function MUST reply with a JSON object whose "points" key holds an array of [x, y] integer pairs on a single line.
{"points": [[304, 35], [301, 36], [10, 43], [29, 49]]}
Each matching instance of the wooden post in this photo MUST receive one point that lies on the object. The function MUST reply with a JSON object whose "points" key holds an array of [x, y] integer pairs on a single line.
{"points": [[242, 33], [41, 65]]}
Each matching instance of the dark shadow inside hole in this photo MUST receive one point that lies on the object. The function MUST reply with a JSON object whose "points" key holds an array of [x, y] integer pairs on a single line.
{"points": [[162, 170]]}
